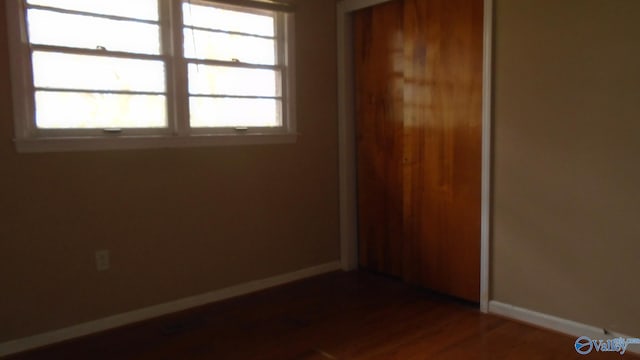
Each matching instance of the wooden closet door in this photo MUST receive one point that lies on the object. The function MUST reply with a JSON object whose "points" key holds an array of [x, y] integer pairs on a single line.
{"points": [[379, 89], [418, 103], [443, 144]]}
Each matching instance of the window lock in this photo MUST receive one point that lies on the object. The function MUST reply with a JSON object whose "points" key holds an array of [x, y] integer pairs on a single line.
{"points": [[112, 130]]}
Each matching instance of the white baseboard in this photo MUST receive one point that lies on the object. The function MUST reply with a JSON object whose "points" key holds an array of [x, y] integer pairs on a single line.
{"points": [[91, 327], [555, 323]]}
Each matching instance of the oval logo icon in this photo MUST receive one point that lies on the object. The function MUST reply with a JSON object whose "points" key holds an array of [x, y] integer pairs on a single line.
{"points": [[583, 345]]}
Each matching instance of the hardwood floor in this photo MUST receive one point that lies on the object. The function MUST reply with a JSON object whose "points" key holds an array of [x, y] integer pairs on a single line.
{"points": [[340, 315]]}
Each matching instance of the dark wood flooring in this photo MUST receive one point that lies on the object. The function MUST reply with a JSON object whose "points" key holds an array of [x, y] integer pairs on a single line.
{"points": [[340, 315]]}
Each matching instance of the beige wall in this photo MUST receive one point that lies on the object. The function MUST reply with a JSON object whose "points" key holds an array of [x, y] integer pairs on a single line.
{"points": [[178, 222], [566, 201]]}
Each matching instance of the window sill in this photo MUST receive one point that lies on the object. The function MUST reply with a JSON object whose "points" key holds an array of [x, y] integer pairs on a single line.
{"points": [[67, 144]]}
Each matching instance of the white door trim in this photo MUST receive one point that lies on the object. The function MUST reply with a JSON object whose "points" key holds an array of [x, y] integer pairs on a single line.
{"points": [[346, 141], [487, 113]]}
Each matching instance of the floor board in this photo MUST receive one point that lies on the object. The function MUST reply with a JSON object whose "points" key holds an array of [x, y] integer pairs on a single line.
{"points": [[340, 315]]}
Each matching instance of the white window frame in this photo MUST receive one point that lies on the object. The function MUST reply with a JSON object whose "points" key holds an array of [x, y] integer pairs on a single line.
{"points": [[178, 134]]}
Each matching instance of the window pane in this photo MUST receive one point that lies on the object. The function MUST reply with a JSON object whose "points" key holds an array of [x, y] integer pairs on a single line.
{"points": [[219, 46], [229, 112], [210, 17], [52, 28], [60, 110], [137, 9], [68, 71], [222, 80]]}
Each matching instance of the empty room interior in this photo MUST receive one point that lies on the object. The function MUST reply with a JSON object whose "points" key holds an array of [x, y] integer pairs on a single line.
{"points": [[319, 179]]}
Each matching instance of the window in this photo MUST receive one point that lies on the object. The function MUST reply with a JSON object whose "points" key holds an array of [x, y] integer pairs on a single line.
{"points": [[95, 74]]}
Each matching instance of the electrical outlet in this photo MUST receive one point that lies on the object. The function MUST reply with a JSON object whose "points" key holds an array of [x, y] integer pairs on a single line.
{"points": [[102, 260]]}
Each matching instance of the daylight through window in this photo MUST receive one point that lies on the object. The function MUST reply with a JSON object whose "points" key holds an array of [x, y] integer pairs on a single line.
{"points": [[161, 68]]}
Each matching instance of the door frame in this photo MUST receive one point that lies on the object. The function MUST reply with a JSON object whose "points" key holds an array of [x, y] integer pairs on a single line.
{"points": [[347, 146]]}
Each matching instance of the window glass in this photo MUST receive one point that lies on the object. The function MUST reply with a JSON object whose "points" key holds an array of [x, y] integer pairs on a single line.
{"points": [[89, 32], [100, 64], [210, 17], [60, 110], [136, 9], [224, 80], [232, 112], [209, 45], [85, 72]]}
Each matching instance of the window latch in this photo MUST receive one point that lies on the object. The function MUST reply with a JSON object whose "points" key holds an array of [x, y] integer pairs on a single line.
{"points": [[241, 129], [112, 130]]}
